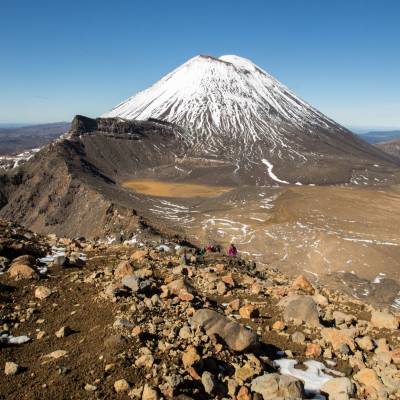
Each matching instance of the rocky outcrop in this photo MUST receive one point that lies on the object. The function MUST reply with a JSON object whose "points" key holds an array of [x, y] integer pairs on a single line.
{"points": [[236, 336]]}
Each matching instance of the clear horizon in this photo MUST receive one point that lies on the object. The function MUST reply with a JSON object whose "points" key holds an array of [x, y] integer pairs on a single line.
{"points": [[67, 58]]}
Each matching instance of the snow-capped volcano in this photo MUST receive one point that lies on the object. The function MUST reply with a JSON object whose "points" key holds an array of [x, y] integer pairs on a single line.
{"points": [[228, 95], [232, 110]]}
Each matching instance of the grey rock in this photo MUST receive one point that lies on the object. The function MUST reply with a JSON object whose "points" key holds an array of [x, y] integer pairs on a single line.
{"points": [[185, 332], [122, 323], [298, 337], [235, 335], [300, 309], [278, 387], [209, 382], [131, 282], [338, 388], [4, 262], [11, 368]]}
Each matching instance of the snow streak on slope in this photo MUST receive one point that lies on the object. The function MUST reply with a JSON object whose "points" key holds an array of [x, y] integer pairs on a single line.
{"points": [[225, 98], [270, 173]]}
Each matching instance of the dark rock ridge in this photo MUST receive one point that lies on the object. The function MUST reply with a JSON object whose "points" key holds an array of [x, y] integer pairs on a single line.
{"points": [[71, 186]]}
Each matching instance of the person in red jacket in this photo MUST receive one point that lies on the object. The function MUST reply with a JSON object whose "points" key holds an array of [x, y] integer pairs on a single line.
{"points": [[232, 250]]}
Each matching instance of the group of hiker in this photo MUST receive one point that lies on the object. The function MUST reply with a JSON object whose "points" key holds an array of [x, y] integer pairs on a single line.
{"points": [[216, 248], [187, 256]]}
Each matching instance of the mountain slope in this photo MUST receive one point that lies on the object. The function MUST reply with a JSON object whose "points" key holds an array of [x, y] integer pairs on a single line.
{"points": [[392, 147], [231, 108]]}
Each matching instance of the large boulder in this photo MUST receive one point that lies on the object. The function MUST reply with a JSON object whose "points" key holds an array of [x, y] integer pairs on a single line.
{"points": [[380, 319], [338, 388], [26, 259], [300, 309], [42, 292], [368, 378], [278, 387], [177, 285], [22, 271], [124, 268], [303, 284], [132, 282], [236, 336], [338, 337]]}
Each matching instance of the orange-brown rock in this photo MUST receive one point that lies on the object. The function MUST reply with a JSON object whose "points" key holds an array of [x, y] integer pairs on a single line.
{"points": [[139, 255], [255, 288], [228, 279], [248, 311], [396, 355], [185, 295], [313, 350], [368, 378], [279, 326], [220, 267], [337, 337], [124, 268], [25, 259], [243, 394], [190, 357], [234, 305], [22, 271], [303, 284]]}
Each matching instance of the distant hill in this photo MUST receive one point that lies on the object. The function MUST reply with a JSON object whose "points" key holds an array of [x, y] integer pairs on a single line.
{"points": [[380, 136], [18, 139], [392, 147]]}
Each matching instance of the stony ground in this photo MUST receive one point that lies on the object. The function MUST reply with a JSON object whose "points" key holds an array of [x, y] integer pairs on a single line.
{"points": [[136, 322]]}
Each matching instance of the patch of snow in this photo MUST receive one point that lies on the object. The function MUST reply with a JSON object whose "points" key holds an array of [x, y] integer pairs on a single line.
{"points": [[270, 173], [10, 339], [379, 277], [313, 377], [164, 248]]}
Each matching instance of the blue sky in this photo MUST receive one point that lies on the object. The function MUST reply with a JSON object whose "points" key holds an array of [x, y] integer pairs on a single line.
{"points": [[60, 58]]}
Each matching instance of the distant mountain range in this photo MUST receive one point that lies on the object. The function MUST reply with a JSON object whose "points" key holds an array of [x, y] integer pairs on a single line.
{"points": [[380, 136], [19, 139]]}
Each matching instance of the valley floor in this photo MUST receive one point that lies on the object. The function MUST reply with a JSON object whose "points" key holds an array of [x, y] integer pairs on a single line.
{"points": [[345, 236]]}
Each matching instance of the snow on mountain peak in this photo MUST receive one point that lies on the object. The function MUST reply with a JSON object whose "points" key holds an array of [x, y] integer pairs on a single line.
{"points": [[226, 97], [239, 62]]}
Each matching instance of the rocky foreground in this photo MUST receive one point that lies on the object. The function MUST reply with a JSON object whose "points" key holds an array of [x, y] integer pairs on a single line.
{"points": [[82, 319]]}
